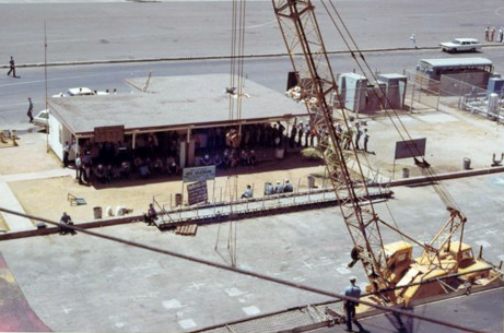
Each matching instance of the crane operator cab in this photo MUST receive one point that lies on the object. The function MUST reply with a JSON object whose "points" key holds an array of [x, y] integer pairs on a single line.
{"points": [[469, 268], [399, 259]]}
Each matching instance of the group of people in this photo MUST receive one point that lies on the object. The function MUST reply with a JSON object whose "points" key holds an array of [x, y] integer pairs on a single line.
{"points": [[279, 187], [106, 162], [357, 134], [230, 158], [490, 34]]}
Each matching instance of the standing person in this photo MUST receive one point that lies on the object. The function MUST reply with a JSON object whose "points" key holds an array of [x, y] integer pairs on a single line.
{"points": [[366, 140], [292, 138], [66, 153], [501, 34], [12, 67], [492, 34], [487, 33], [413, 40], [29, 113], [352, 291], [358, 135], [79, 168]]}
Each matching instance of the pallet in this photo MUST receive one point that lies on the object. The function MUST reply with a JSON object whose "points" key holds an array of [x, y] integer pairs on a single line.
{"points": [[186, 230]]}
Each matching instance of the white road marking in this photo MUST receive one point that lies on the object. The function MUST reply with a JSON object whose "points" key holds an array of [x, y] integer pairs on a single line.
{"points": [[187, 324], [251, 310], [172, 304], [233, 292]]}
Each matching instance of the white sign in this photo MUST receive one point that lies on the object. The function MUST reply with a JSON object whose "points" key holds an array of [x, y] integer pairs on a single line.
{"points": [[198, 173]]}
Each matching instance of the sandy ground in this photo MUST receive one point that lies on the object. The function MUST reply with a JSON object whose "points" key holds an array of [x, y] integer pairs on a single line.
{"points": [[48, 197]]}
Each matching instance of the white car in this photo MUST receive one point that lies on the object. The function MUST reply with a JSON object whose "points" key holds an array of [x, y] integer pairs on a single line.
{"points": [[81, 91], [42, 118], [461, 45]]}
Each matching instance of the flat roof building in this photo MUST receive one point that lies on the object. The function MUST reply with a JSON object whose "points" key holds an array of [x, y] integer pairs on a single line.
{"points": [[179, 104]]}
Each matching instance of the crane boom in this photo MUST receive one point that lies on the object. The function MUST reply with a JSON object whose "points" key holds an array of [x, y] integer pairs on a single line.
{"points": [[301, 34]]}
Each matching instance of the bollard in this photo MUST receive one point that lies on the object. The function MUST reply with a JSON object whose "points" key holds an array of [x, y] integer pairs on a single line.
{"points": [[97, 211]]}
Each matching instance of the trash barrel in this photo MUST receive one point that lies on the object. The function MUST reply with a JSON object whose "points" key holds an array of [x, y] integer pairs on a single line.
{"points": [[97, 212], [467, 163], [311, 182], [405, 173], [178, 199]]}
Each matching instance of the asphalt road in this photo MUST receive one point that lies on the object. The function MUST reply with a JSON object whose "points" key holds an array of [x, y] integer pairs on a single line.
{"points": [[133, 30], [271, 72], [126, 30]]}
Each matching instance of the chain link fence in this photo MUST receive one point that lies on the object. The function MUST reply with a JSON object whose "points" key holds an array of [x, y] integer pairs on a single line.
{"points": [[425, 93]]}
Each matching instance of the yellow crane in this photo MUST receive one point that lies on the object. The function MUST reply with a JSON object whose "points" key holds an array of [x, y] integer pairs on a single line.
{"points": [[395, 277]]}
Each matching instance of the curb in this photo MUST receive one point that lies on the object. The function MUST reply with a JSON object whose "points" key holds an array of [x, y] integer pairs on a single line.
{"points": [[249, 56], [444, 176]]}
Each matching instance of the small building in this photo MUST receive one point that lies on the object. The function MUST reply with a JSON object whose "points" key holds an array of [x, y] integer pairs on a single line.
{"points": [[473, 71], [182, 114]]}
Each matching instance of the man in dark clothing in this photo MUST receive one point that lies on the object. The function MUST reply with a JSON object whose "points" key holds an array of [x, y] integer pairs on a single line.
{"points": [[12, 67], [29, 113], [66, 220], [66, 153], [151, 216]]}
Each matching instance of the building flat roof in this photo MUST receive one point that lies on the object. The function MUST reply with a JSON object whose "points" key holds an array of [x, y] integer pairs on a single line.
{"points": [[176, 101], [455, 62]]}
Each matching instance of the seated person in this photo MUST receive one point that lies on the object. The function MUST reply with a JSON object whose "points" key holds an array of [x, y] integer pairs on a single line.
{"points": [[125, 169], [279, 188], [144, 171], [157, 165], [217, 160], [100, 173], [206, 160], [66, 220], [252, 159], [227, 159], [288, 186], [243, 157], [151, 216], [248, 193], [268, 188]]}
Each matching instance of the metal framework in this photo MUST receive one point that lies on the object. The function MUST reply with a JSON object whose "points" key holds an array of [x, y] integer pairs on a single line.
{"points": [[308, 55]]}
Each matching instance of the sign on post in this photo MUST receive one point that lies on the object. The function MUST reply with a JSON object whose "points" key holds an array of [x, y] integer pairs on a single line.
{"points": [[197, 192], [410, 148], [198, 173]]}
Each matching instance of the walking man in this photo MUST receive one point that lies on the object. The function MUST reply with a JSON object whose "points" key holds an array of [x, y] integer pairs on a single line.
{"points": [[487, 34], [492, 34], [413, 40], [352, 291], [12, 67], [29, 113], [501, 34], [79, 168], [366, 140]]}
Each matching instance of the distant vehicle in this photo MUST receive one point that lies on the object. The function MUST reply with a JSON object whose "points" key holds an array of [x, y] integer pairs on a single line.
{"points": [[461, 45], [42, 118], [81, 91]]}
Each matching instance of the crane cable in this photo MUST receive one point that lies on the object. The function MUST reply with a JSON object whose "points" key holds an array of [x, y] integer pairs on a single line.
{"points": [[438, 188], [241, 271]]}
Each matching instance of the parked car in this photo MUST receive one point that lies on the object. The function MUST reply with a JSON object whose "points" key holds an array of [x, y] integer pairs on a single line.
{"points": [[42, 118], [461, 45], [81, 91]]}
